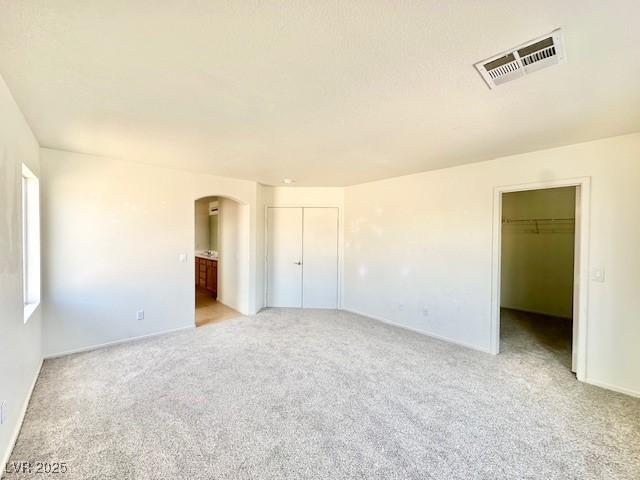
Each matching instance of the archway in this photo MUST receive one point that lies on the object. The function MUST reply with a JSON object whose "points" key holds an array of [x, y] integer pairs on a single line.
{"points": [[221, 259]]}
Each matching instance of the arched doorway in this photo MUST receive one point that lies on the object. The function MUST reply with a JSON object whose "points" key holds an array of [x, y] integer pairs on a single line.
{"points": [[221, 253]]}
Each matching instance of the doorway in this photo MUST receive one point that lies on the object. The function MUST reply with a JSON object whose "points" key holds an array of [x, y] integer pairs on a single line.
{"points": [[221, 259], [302, 257], [540, 245], [536, 291]]}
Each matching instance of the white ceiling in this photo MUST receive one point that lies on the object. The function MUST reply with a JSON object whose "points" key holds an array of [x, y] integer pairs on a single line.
{"points": [[325, 92]]}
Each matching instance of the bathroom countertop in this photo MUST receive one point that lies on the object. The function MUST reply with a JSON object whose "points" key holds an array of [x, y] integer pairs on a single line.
{"points": [[207, 257]]}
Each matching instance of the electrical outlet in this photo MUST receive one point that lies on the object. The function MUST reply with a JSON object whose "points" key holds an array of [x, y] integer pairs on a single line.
{"points": [[401, 306], [182, 257], [425, 312], [140, 315], [3, 412]]}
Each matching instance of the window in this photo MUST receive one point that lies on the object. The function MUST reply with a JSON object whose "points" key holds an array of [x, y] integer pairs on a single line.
{"points": [[30, 241]]}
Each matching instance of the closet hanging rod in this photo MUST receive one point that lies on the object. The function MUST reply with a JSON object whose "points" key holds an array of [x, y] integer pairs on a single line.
{"points": [[534, 220]]}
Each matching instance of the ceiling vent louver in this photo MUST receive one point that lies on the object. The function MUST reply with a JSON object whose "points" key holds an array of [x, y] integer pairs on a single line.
{"points": [[527, 58]]}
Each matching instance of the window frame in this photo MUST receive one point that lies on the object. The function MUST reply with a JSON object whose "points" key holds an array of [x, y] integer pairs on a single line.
{"points": [[30, 189]]}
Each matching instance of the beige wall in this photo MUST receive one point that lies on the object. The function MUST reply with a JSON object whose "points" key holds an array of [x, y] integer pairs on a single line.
{"points": [[206, 225], [213, 232], [537, 268], [263, 198], [202, 224], [114, 232], [233, 265], [20, 343], [425, 242]]}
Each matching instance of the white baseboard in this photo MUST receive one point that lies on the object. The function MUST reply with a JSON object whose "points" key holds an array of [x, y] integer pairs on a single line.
{"points": [[421, 332], [115, 342], [18, 427], [596, 383], [615, 388]]}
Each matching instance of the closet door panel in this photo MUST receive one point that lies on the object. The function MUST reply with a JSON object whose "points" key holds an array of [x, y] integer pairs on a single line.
{"points": [[284, 257], [320, 258]]}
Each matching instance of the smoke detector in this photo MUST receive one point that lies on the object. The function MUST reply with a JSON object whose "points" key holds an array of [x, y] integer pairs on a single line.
{"points": [[527, 58]]}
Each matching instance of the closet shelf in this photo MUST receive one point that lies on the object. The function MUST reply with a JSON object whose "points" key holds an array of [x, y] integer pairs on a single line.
{"points": [[542, 225]]}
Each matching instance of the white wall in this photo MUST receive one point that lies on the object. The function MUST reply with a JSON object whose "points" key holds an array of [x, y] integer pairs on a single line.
{"points": [[113, 233], [305, 196], [425, 241], [20, 343], [298, 197], [263, 197], [537, 268], [233, 264], [213, 231], [202, 224]]}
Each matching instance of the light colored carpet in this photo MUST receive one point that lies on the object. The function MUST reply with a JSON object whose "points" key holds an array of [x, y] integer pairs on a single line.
{"points": [[292, 394]]}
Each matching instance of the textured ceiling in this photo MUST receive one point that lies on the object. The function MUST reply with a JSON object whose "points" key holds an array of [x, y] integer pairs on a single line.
{"points": [[326, 92]]}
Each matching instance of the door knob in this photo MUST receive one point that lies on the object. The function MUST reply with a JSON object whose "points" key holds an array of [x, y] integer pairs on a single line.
{"points": [[298, 263]]}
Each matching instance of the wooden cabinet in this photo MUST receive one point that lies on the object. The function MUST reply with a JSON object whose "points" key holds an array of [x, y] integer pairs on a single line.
{"points": [[207, 275]]}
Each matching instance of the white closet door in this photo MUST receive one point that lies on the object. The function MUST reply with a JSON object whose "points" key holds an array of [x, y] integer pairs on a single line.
{"points": [[284, 257], [320, 258]]}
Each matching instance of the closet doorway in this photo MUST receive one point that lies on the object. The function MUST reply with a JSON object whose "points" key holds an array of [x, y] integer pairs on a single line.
{"points": [[302, 257], [540, 275]]}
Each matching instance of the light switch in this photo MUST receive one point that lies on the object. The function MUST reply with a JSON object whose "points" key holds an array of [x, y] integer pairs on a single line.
{"points": [[182, 257], [597, 274]]}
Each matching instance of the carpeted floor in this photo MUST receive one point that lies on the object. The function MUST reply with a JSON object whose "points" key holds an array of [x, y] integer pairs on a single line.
{"points": [[292, 394]]}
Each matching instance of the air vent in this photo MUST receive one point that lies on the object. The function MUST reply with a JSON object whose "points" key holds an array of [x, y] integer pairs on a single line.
{"points": [[527, 58]]}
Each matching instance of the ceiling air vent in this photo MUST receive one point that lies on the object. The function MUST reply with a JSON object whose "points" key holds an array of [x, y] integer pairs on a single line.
{"points": [[527, 58]]}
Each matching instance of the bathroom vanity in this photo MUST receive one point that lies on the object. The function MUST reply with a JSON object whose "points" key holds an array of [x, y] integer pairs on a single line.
{"points": [[207, 275]]}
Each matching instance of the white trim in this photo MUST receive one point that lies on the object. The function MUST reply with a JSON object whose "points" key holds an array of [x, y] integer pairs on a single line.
{"points": [[18, 427], [265, 258], [415, 330], [581, 263], [29, 309], [589, 381], [116, 342], [302, 210], [31, 268], [608, 386]]}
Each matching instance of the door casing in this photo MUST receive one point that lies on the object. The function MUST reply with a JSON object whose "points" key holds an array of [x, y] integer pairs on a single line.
{"points": [[581, 265]]}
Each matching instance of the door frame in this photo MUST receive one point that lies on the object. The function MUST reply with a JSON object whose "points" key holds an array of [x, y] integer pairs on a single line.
{"points": [[266, 248], [243, 308], [580, 264]]}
